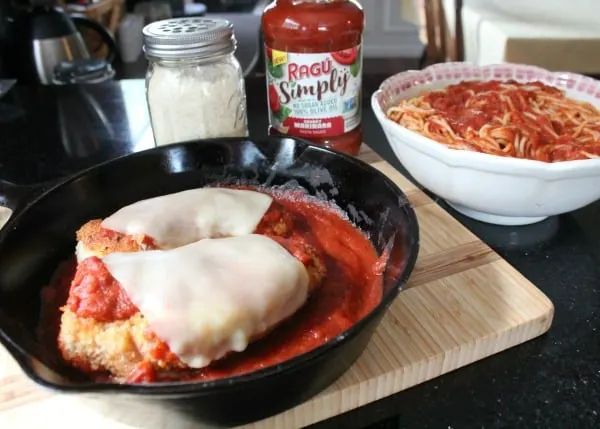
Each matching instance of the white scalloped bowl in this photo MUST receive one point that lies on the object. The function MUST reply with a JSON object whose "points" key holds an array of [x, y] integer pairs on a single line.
{"points": [[490, 188]]}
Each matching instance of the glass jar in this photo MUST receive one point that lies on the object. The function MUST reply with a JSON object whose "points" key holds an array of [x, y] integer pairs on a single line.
{"points": [[313, 51], [194, 84]]}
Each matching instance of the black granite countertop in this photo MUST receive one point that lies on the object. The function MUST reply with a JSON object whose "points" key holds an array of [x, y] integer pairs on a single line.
{"points": [[550, 382]]}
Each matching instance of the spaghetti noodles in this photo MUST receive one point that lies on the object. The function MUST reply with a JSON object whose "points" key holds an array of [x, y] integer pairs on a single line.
{"points": [[507, 118]]}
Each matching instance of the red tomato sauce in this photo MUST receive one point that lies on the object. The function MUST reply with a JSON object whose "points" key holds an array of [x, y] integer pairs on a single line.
{"points": [[475, 104], [97, 295], [452, 102], [351, 288]]}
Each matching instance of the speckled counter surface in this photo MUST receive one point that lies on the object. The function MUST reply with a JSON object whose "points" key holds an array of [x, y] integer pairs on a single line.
{"points": [[551, 382]]}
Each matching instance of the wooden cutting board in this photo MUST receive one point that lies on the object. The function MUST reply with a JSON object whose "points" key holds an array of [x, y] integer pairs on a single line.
{"points": [[462, 304]]}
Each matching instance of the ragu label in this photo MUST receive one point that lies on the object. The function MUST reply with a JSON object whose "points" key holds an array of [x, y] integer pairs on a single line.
{"points": [[314, 95]]}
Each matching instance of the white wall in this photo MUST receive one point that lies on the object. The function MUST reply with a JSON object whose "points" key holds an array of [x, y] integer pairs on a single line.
{"points": [[388, 32]]}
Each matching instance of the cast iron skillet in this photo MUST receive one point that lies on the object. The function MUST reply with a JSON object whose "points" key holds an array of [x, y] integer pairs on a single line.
{"points": [[41, 234]]}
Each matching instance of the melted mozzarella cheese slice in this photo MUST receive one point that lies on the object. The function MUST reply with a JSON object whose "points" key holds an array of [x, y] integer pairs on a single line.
{"points": [[185, 217], [83, 252], [213, 296]]}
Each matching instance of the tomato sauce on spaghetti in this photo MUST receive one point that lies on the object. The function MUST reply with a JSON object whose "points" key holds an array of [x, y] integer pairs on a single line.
{"points": [[507, 118]]}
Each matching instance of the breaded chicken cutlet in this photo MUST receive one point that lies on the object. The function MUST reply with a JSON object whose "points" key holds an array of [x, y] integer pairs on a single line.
{"points": [[120, 341]]}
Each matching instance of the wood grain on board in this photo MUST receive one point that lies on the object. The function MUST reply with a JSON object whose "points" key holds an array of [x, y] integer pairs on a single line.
{"points": [[462, 304]]}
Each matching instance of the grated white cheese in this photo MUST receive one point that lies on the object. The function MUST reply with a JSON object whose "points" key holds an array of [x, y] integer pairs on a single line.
{"points": [[196, 101]]}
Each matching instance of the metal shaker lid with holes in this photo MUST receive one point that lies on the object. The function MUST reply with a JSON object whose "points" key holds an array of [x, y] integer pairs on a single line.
{"points": [[179, 38]]}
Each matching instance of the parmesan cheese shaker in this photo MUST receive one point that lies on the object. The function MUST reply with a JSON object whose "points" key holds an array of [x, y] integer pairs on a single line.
{"points": [[194, 84]]}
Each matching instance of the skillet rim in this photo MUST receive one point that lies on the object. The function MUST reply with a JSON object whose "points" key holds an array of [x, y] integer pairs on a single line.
{"points": [[195, 388]]}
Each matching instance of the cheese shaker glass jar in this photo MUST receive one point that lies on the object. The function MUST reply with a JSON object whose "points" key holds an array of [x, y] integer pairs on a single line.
{"points": [[194, 84]]}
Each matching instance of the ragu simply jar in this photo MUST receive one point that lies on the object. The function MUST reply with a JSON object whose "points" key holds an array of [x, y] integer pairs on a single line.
{"points": [[313, 51]]}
